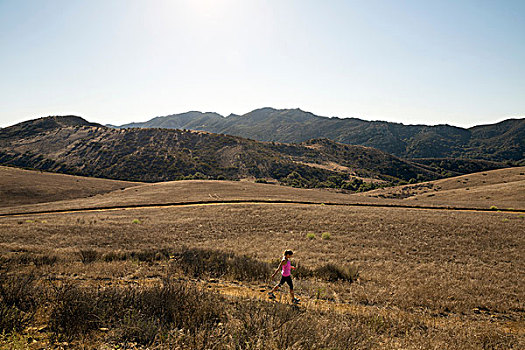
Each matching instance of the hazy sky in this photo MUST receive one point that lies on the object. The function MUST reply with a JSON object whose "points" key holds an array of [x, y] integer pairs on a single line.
{"points": [[429, 62]]}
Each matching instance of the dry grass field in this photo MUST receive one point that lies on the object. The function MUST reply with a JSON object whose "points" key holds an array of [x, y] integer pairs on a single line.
{"points": [[195, 276], [503, 188], [18, 186]]}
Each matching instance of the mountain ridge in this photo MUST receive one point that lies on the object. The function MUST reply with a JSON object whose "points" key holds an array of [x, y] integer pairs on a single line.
{"points": [[503, 141], [74, 146]]}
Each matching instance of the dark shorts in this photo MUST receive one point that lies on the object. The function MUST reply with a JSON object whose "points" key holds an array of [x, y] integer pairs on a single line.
{"points": [[287, 279]]}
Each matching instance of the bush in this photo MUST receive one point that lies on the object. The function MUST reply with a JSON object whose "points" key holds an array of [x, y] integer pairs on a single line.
{"points": [[88, 255], [12, 319], [115, 256], [200, 262], [74, 312], [136, 221], [326, 235], [19, 291], [310, 235], [18, 301], [135, 314], [493, 207], [43, 259], [331, 272], [150, 255]]}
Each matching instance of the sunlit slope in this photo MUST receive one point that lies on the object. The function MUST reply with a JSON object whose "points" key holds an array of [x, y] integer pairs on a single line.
{"points": [[190, 191], [502, 188], [19, 186]]}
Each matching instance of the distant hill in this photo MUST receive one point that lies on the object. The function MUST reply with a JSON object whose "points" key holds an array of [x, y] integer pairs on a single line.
{"points": [[72, 145], [499, 142]]}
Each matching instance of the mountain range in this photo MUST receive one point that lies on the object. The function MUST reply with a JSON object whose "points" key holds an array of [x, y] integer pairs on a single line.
{"points": [[501, 142], [72, 145]]}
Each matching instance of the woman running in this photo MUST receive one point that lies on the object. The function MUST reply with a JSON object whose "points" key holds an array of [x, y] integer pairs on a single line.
{"points": [[286, 270]]}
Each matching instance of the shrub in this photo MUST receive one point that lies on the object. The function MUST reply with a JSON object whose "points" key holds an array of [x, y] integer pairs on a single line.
{"points": [[115, 256], [200, 262], [43, 259], [20, 291], [136, 221], [326, 235], [302, 271], [74, 312], [88, 255], [331, 272], [493, 207], [310, 235], [135, 314], [18, 301], [12, 319]]}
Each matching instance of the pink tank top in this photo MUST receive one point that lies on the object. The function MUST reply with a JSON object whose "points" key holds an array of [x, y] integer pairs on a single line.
{"points": [[287, 269]]}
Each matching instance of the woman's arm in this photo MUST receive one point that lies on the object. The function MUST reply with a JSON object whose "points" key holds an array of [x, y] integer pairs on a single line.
{"points": [[278, 268]]}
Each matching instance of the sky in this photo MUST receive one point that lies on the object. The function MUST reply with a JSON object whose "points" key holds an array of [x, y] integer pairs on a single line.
{"points": [[454, 62]]}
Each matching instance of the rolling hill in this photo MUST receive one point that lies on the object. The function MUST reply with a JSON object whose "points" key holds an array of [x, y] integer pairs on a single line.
{"points": [[502, 188], [19, 186], [501, 142], [72, 145]]}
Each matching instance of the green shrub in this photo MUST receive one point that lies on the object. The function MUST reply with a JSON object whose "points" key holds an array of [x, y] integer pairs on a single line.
{"points": [[310, 235], [326, 235], [136, 221], [493, 207]]}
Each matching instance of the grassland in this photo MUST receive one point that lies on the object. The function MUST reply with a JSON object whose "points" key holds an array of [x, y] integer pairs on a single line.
{"points": [[19, 186], [155, 277]]}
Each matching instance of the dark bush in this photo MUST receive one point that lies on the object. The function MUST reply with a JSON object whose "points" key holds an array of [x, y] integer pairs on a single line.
{"points": [[88, 255], [19, 291], [150, 255], [331, 272], [12, 318], [115, 256], [74, 312], [44, 259], [201, 262], [136, 314], [18, 301]]}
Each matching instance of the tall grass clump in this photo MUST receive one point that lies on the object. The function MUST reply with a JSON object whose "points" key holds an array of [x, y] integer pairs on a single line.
{"points": [[133, 314], [88, 255], [19, 298], [212, 263], [331, 272]]}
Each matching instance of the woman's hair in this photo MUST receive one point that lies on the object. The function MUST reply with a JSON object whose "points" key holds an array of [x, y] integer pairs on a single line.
{"points": [[288, 252]]}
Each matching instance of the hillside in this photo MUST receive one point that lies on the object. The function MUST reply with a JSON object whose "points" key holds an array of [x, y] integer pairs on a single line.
{"points": [[499, 142], [18, 186], [73, 146], [502, 188]]}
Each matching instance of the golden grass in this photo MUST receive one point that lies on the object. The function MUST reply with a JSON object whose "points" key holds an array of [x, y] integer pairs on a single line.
{"points": [[457, 268], [18, 186], [438, 279]]}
